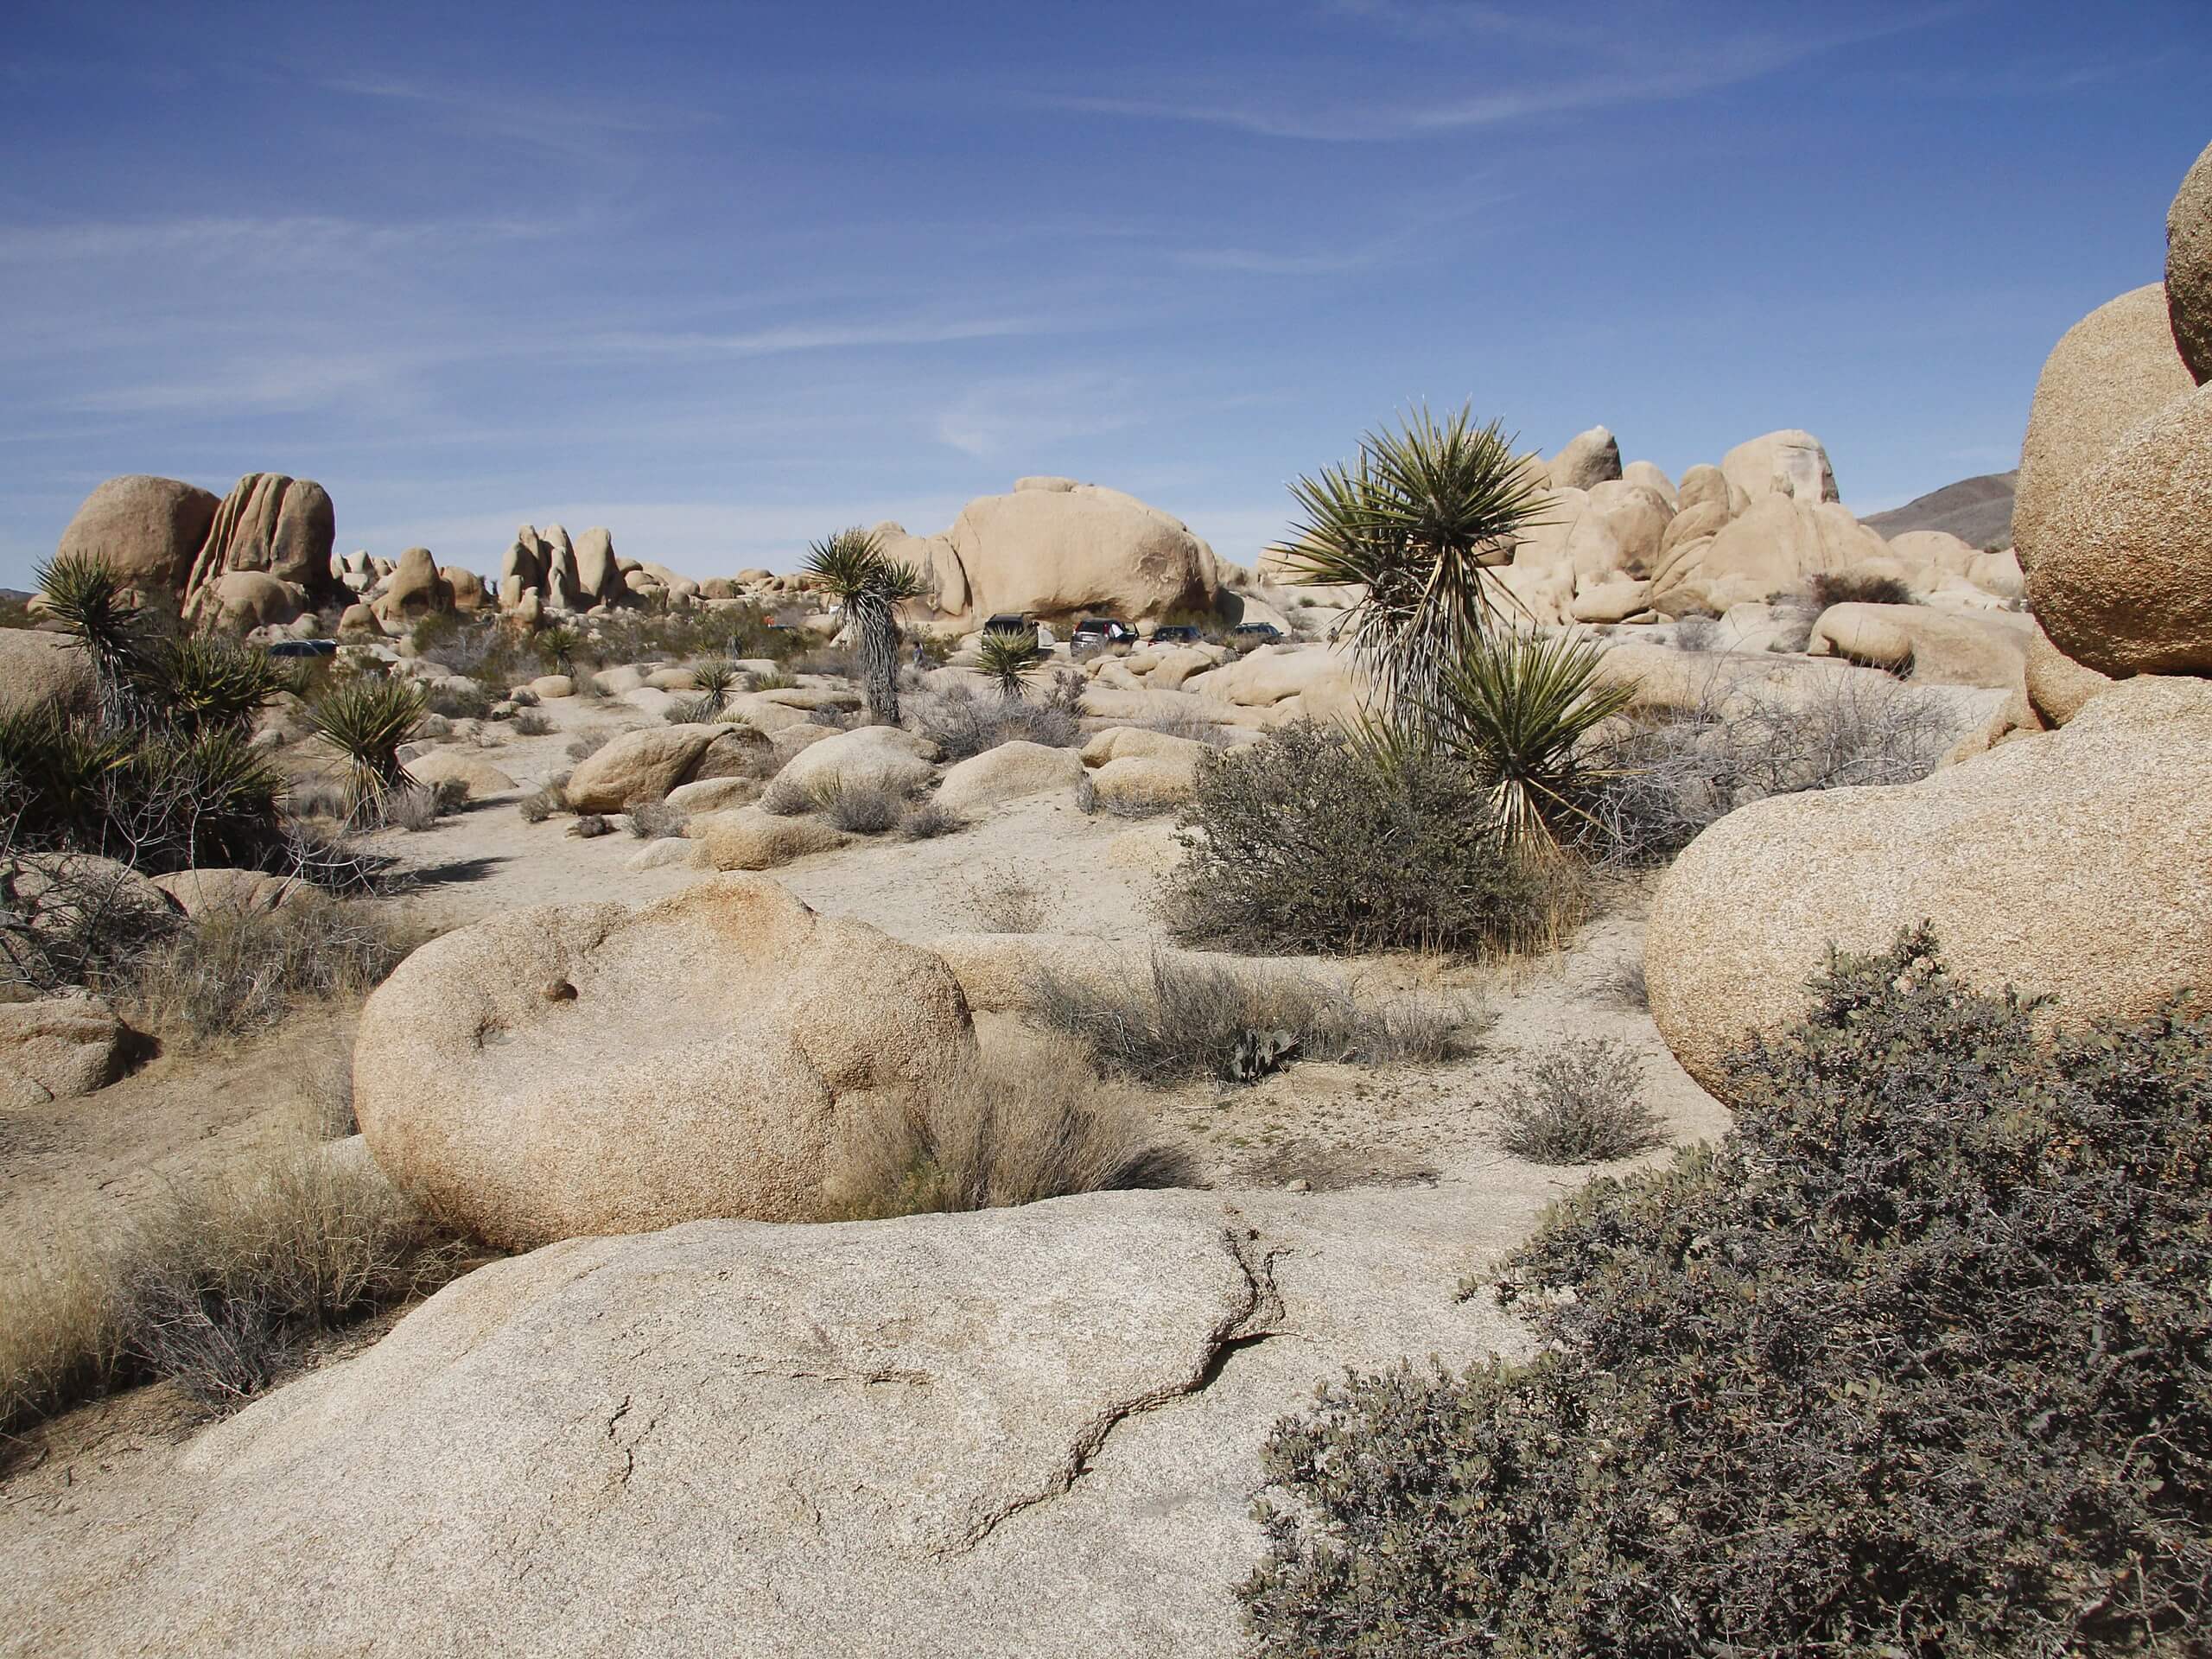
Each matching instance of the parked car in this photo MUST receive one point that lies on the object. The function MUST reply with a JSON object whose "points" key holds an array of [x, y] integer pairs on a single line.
{"points": [[1256, 634], [1010, 622], [1175, 633], [1102, 631], [304, 648]]}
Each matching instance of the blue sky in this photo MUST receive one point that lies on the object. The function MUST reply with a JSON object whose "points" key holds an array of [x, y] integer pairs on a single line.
{"points": [[726, 277]]}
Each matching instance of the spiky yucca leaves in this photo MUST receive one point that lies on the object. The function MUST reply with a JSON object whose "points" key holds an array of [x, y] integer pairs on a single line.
{"points": [[367, 722], [1516, 711], [1409, 520], [1006, 660], [62, 771], [852, 569], [87, 599], [557, 646], [712, 677], [201, 683]]}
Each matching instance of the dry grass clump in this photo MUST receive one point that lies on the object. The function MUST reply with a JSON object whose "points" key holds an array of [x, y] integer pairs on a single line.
{"points": [[1190, 1018], [1581, 1103], [585, 745], [216, 1287], [965, 723], [542, 805], [1007, 1125], [866, 804], [786, 798], [924, 820], [1621, 985], [1004, 900], [235, 971], [531, 723], [1857, 587]]}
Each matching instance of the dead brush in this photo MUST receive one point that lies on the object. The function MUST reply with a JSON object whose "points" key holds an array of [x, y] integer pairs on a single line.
{"points": [[1004, 900], [217, 1287], [1189, 1018], [1011, 1125], [1580, 1102]]}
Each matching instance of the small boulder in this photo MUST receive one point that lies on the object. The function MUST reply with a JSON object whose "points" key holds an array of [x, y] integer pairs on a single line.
{"points": [[145, 530], [641, 766], [1118, 742], [1008, 772], [666, 852], [1791, 463], [750, 839], [201, 893], [715, 794], [1590, 458], [468, 767], [883, 753], [59, 1048], [705, 1058], [548, 686], [1145, 782], [1926, 646]]}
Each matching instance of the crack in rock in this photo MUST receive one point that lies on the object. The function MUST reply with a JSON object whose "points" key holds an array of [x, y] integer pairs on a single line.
{"points": [[1252, 1323]]}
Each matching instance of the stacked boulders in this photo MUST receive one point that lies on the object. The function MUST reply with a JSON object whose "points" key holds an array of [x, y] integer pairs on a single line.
{"points": [[266, 557], [2102, 796]]}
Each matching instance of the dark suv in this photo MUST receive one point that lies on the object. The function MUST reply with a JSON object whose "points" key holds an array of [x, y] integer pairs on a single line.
{"points": [[1010, 622], [1102, 631], [1256, 634], [1175, 633]]}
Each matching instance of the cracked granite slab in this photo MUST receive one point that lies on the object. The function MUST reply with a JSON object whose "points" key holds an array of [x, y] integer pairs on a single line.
{"points": [[1030, 1432]]}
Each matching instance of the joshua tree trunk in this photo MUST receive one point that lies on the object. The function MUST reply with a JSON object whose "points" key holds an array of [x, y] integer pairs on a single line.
{"points": [[876, 641]]}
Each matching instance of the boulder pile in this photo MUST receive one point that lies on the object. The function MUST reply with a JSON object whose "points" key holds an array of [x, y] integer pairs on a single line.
{"points": [[2067, 858]]}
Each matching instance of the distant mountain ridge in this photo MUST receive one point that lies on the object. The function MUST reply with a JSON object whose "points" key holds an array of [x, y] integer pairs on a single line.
{"points": [[1978, 511]]}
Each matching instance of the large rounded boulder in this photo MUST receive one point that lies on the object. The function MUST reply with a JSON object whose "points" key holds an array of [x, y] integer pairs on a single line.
{"points": [[556, 1072], [2113, 370], [2123, 580], [2189, 268], [44, 670], [2070, 863], [1057, 549], [146, 530]]}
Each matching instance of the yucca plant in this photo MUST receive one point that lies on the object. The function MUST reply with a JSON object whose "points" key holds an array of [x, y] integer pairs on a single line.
{"points": [[367, 722], [557, 646], [91, 602], [1006, 660], [712, 678], [1515, 711], [852, 569], [1411, 520], [64, 771], [201, 683]]}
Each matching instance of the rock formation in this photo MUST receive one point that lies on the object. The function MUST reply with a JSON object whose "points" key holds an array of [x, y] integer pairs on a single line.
{"points": [[2189, 268], [280, 526], [146, 530]]}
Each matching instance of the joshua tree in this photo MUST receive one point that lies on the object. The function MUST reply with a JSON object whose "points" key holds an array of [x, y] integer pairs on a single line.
{"points": [[852, 569], [85, 597], [1006, 660], [367, 722], [1411, 520]]}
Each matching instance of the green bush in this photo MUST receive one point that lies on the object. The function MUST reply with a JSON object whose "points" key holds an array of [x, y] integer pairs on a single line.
{"points": [[1311, 840], [1857, 588], [1916, 1362]]}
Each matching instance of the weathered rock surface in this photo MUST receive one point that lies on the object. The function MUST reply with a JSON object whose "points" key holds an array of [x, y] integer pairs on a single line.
{"points": [[1929, 646], [2057, 686], [281, 526], [1590, 458], [146, 530], [1776, 546], [1790, 462], [2123, 579], [59, 1048], [553, 1073], [469, 767], [645, 766], [201, 893], [2112, 370], [2189, 268], [44, 670], [866, 754], [2111, 814]]}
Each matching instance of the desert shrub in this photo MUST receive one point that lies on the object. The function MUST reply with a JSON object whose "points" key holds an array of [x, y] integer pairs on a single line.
{"points": [[1010, 1125], [1912, 1362], [655, 820], [1003, 900], [1580, 1102], [217, 1287], [964, 724], [542, 805], [590, 826], [70, 919], [924, 820], [777, 680], [1310, 841], [833, 661], [1856, 588], [1671, 775], [367, 721], [234, 971], [1622, 985], [529, 722], [786, 798], [469, 701], [1184, 726], [585, 745], [1190, 1018], [1695, 631]]}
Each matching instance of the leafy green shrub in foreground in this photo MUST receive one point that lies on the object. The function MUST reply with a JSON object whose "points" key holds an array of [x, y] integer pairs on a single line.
{"points": [[1312, 840], [1916, 1362]]}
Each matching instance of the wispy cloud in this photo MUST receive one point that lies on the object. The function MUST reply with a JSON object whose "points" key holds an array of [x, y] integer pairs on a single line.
{"points": [[814, 337], [210, 240], [263, 384], [1659, 75], [1019, 415], [1259, 263]]}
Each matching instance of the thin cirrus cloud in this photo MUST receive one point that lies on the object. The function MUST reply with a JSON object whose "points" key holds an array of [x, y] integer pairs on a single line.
{"points": [[814, 337]]}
